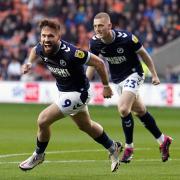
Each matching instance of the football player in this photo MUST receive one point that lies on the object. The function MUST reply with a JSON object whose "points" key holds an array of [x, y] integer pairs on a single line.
{"points": [[121, 50], [66, 63]]}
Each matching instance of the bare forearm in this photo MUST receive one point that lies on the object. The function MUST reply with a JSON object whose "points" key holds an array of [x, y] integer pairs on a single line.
{"points": [[101, 69], [27, 66], [149, 62], [97, 64], [32, 56]]}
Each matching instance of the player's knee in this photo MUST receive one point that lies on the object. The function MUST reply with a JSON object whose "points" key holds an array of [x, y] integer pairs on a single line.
{"points": [[140, 112], [42, 121], [124, 111]]}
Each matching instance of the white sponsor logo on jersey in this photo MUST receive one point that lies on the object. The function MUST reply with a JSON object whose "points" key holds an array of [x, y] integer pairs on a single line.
{"points": [[60, 72], [116, 60]]}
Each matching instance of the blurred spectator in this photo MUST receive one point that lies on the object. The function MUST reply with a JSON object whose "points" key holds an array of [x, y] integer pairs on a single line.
{"points": [[14, 70], [3, 68], [82, 37], [155, 22]]}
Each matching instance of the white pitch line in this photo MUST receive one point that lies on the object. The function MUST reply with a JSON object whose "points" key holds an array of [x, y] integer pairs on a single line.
{"points": [[88, 161], [53, 152], [72, 151]]}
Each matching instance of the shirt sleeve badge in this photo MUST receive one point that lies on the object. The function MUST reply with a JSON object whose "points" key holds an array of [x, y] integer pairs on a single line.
{"points": [[134, 39], [79, 54]]}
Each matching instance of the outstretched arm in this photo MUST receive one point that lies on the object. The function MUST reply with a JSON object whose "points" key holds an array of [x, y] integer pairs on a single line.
{"points": [[31, 59], [95, 63], [149, 62]]}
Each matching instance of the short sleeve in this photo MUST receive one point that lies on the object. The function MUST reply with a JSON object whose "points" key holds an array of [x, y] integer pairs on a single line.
{"points": [[135, 43], [81, 56]]}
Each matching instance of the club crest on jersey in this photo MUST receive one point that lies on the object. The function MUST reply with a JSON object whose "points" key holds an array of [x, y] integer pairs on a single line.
{"points": [[120, 50], [79, 54], [62, 62], [134, 39]]}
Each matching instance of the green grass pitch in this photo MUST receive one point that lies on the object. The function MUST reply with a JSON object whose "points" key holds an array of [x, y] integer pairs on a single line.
{"points": [[72, 155]]}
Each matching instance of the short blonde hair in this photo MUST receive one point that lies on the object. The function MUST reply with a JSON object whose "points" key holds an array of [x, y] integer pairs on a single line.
{"points": [[103, 15]]}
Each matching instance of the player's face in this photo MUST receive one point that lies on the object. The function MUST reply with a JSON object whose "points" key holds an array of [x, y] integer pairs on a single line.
{"points": [[102, 27], [50, 39]]}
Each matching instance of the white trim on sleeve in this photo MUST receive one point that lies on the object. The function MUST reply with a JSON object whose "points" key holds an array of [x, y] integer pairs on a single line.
{"points": [[88, 57], [139, 49]]}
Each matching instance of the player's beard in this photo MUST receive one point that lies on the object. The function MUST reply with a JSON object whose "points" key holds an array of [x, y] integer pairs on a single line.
{"points": [[50, 50]]}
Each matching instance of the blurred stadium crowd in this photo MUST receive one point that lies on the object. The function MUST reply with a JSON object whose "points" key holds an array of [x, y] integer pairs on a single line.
{"points": [[155, 22]]}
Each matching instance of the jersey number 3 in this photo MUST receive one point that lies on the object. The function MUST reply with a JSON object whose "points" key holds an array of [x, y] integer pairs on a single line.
{"points": [[130, 83]]}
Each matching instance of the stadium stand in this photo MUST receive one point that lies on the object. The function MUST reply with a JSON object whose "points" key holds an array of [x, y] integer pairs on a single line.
{"points": [[155, 22]]}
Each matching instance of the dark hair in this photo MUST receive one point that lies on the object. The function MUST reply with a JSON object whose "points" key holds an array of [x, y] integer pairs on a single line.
{"points": [[52, 23]]}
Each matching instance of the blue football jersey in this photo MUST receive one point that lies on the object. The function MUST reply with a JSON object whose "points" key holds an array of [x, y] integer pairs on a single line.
{"points": [[67, 66], [120, 54]]}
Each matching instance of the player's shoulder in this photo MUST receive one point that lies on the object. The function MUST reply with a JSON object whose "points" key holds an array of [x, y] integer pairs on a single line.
{"points": [[95, 43], [94, 40], [122, 34], [38, 48], [72, 51], [126, 36], [66, 46]]}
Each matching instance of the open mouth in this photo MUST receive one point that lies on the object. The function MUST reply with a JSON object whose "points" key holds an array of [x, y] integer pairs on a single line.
{"points": [[48, 46]]}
